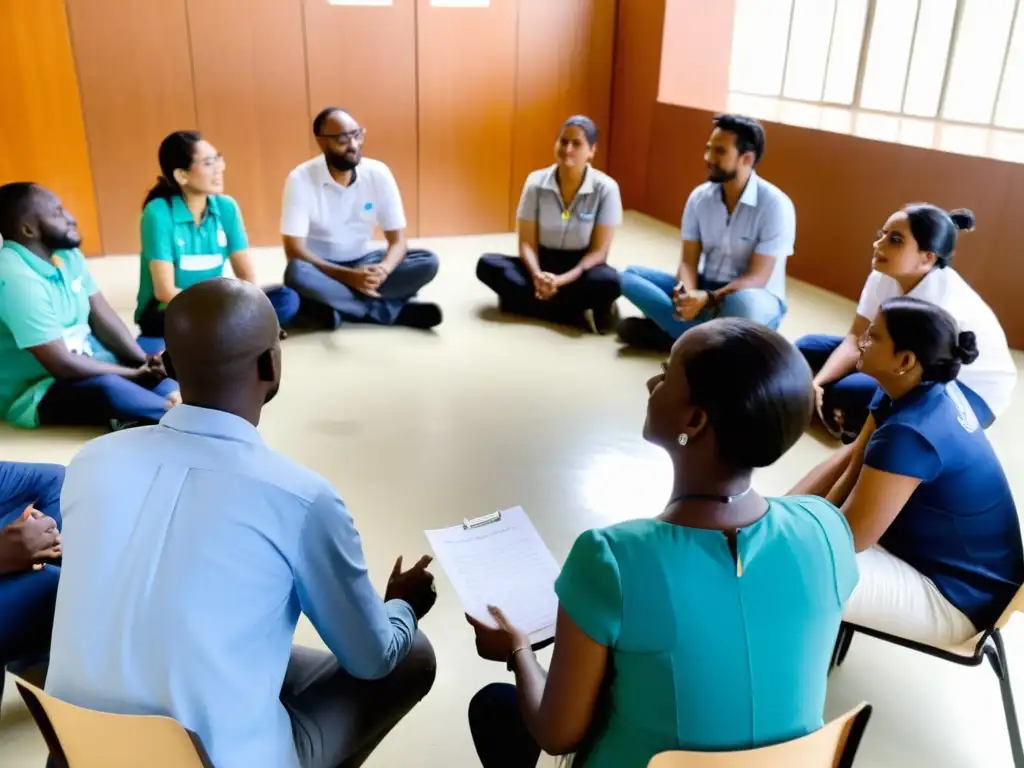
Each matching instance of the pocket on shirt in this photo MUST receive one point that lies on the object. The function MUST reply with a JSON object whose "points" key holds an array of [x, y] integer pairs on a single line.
{"points": [[201, 262]]}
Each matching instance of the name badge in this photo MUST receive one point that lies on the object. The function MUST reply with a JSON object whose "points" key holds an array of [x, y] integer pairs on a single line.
{"points": [[587, 216], [201, 262], [76, 285], [76, 339], [222, 238]]}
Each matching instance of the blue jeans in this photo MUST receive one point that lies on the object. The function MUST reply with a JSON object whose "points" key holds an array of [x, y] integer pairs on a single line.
{"points": [[651, 291], [852, 394], [151, 321], [97, 401], [342, 303], [27, 599]]}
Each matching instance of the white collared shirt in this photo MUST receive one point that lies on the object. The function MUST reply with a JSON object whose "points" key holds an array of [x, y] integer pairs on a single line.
{"points": [[993, 375], [318, 208], [764, 222]]}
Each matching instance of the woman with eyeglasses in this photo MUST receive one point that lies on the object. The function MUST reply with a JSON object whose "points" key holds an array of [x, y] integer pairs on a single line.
{"points": [[190, 229], [933, 519], [912, 257]]}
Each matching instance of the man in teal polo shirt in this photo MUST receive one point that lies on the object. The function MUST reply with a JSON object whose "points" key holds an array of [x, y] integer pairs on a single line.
{"points": [[65, 356]]}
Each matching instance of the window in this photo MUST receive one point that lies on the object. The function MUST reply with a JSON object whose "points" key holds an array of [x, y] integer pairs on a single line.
{"points": [[955, 60]]}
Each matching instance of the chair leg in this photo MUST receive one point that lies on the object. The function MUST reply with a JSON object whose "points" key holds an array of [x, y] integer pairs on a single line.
{"points": [[996, 653], [845, 647], [840, 639]]}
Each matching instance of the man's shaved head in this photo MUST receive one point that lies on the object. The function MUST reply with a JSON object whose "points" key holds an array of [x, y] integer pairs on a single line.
{"points": [[223, 343]]}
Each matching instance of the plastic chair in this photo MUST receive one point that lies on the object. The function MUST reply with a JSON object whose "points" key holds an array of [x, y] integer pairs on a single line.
{"points": [[86, 739], [832, 746], [987, 644]]}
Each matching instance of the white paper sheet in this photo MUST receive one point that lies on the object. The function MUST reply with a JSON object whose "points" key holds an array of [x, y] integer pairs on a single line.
{"points": [[505, 564]]}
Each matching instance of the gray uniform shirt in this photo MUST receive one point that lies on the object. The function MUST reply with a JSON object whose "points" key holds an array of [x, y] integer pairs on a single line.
{"points": [[597, 202]]}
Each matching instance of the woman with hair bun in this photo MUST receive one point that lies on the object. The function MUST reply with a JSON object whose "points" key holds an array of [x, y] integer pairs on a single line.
{"points": [[567, 217], [190, 229], [933, 520], [912, 257]]}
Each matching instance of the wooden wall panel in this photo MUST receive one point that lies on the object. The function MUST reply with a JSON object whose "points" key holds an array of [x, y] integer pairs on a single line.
{"points": [[834, 233], [565, 54], [634, 93], [42, 134], [249, 66], [364, 60], [136, 80], [467, 73]]}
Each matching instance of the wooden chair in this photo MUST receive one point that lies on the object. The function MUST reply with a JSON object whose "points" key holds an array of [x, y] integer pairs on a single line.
{"points": [[832, 746], [83, 738], [985, 645]]}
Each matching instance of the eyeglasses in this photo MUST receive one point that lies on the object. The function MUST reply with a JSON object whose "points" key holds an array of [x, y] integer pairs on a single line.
{"points": [[210, 162], [346, 137]]}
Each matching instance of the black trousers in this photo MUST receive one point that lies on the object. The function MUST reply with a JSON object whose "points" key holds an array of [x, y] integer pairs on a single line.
{"points": [[499, 733], [597, 289]]}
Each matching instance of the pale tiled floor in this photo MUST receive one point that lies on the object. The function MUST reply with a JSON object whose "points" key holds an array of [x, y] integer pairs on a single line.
{"points": [[420, 430]]}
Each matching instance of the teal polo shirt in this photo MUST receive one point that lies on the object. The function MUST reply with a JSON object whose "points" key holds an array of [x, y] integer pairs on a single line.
{"points": [[40, 302], [169, 233]]}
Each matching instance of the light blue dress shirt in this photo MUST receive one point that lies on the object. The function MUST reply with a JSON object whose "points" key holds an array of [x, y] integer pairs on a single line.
{"points": [[190, 550], [764, 222]]}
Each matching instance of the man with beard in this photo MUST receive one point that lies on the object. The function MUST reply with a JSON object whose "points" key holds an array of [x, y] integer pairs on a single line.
{"points": [[738, 231], [65, 356], [191, 548], [332, 204]]}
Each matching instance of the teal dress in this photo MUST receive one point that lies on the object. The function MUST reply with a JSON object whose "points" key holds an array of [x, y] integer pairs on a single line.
{"points": [[709, 654]]}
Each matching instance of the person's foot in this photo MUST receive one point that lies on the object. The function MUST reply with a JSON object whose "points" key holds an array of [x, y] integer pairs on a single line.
{"points": [[644, 333], [605, 320], [419, 314]]}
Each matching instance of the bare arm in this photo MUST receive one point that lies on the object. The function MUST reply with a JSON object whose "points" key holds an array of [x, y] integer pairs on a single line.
{"points": [[758, 272], [112, 333], [398, 248], [62, 364], [164, 288], [877, 498], [558, 707], [241, 265], [843, 359], [528, 245], [834, 477], [600, 244], [687, 273]]}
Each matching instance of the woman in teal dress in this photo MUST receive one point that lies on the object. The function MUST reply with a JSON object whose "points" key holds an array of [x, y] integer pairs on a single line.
{"points": [[709, 627]]}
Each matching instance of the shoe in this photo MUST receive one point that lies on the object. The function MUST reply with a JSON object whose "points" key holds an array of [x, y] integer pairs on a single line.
{"points": [[419, 314], [605, 320], [117, 425], [644, 333]]}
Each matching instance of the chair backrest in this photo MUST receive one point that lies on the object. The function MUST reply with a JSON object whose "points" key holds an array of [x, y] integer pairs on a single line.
{"points": [[83, 738], [832, 746]]}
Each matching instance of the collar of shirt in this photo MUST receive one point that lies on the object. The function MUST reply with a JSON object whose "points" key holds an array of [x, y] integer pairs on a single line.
{"points": [[180, 214], [210, 423], [40, 266], [749, 196], [326, 180], [885, 407], [551, 181]]}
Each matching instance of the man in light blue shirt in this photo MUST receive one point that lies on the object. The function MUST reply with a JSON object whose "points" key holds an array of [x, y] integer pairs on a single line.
{"points": [[190, 550], [738, 231]]}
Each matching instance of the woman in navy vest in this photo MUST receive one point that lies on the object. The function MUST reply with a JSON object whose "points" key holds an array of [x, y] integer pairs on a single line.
{"points": [[933, 520]]}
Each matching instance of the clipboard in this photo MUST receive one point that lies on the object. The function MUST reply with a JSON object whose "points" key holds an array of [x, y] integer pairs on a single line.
{"points": [[500, 559]]}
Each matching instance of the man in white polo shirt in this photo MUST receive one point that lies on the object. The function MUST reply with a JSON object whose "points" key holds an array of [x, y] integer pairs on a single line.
{"points": [[332, 204], [738, 232]]}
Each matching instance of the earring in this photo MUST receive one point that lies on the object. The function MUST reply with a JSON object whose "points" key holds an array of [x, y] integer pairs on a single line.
{"points": [[683, 439]]}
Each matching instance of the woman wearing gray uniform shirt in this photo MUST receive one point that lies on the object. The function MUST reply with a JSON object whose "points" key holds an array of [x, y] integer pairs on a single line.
{"points": [[567, 217]]}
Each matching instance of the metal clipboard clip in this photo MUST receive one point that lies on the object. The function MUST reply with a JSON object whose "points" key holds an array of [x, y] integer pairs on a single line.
{"points": [[476, 522]]}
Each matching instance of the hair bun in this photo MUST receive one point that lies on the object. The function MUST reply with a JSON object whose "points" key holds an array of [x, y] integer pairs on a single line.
{"points": [[967, 347], [963, 218]]}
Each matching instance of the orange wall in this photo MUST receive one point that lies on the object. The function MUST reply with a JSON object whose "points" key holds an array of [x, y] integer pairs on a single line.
{"points": [[843, 187], [696, 51], [42, 134]]}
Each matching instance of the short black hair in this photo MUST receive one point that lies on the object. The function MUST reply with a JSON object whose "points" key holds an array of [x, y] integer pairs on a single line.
{"points": [[755, 388], [932, 334], [323, 114], [935, 230], [16, 201], [749, 133], [585, 124]]}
